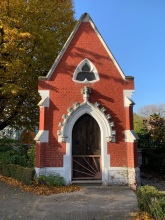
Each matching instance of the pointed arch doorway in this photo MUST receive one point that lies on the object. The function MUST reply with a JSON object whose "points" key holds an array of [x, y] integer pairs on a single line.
{"points": [[86, 149]]}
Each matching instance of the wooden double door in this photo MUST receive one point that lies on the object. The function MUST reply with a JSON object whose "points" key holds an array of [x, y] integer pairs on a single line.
{"points": [[86, 149]]}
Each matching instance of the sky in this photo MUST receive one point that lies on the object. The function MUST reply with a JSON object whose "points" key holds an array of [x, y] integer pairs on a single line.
{"points": [[134, 31]]}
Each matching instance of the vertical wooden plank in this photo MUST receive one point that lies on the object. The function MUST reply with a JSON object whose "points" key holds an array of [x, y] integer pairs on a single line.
{"points": [[86, 140]]}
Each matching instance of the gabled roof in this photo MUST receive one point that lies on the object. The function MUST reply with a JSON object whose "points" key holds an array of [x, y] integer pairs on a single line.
{"points": [[84, 18]]}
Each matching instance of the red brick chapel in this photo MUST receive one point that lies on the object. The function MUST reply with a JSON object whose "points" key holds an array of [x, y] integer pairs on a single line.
{"points": [[86, 114]]}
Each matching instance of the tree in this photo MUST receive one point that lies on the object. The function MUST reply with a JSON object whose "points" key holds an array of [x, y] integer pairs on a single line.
{"points": [[138, 123], [153, 133], [148, 110], [156, 128], [154, 141], [32, 34]]}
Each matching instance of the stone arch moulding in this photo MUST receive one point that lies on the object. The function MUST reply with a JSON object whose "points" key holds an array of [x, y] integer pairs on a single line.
{"points": [[92, 70], [86, 108], [107, 134]]}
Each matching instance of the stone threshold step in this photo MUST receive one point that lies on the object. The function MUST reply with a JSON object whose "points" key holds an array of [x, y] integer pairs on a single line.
{"points": [[86, 182]]}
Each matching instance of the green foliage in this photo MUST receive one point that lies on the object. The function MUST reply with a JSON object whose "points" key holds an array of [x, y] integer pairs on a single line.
{"points": [[145, 141], [152, 201], [31, 156], [25, 175], [152, 138], [17, 160], [153, 133], [13, 157], [138, 123], [31, 35], [18, 87], [51, 180], [6, 146], [12, 152], [157, 129], [6, 143]]}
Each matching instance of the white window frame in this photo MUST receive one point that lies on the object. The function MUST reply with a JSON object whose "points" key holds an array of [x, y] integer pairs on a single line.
{"points": [[92, 69]]}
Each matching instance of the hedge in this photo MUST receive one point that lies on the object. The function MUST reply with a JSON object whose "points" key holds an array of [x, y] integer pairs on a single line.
{"points": [[151, 200], [23, 174]]}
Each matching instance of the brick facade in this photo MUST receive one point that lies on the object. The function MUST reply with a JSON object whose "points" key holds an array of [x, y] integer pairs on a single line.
{"points": [[108, 91]]}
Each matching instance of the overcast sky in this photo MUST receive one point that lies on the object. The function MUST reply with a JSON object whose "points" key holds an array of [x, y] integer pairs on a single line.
{"points": [[134, 31]]}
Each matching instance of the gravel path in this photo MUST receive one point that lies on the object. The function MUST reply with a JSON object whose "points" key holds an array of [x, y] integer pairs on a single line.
{"points": [[90, 203], [151, 180]]}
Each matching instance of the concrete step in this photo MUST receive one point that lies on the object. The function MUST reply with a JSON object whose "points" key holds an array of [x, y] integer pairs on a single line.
{"points": [[87, 182]]}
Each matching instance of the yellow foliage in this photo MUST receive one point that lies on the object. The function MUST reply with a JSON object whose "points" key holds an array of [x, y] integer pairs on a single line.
{"points": [[39, 189], [142, 216], [31, 36]]}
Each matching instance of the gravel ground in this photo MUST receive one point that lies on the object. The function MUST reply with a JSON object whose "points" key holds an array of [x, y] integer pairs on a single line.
{"points": [[152, 180], [90, 203]]}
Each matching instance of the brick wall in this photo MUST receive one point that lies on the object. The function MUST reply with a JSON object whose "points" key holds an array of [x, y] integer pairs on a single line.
{"points": [[108, 91]]}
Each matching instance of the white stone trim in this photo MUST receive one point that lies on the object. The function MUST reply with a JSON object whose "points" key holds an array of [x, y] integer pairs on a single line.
{"points": [[117, 176], [134, 176], [84, 18], [108, 50], [127, 97], [44, 98], [130, 136], [53, 170], [123, 176], [127, 102], [86, 108], [112, 175], [60, 55], [107, 134], [92, 69], [44, 102], [42, 136], [103, 128]]}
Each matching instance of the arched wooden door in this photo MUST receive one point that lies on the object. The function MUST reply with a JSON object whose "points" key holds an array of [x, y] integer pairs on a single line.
{"points": [[86, 149]]}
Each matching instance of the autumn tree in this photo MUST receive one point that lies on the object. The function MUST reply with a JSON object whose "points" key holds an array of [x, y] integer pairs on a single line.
{"points": [[31, 35]]}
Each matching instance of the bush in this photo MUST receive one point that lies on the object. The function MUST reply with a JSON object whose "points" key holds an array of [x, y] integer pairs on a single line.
{"points": [[51, 180], [25, 175], [31, 156], [152, 201], [17, 160], [5, 142], [7, 145], [13, 157], [12, 152]]}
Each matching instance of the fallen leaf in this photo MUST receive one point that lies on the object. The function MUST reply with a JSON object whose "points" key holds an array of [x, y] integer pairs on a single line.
{"points": [[39, 189]]}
